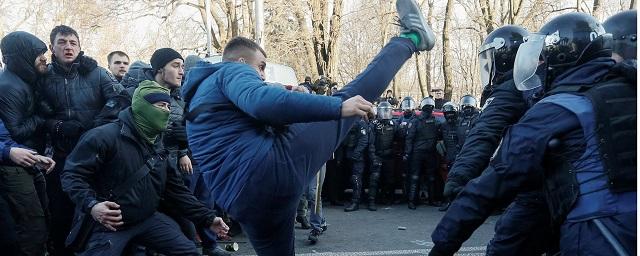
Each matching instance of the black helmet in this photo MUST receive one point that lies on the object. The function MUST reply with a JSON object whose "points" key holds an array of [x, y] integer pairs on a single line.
{"points": [[498, 51], [449, 107], [408, 104], [623, 29], [564, 42], [450, 111], [384, 110], [468, 101]]}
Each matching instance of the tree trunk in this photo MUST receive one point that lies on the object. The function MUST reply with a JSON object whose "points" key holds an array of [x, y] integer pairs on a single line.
{"points": [[446, 57], [307, 39], [334, 37], [420, 81], [318, 22], [596, 9], [632, 5], [487, 15], [428, 54]]}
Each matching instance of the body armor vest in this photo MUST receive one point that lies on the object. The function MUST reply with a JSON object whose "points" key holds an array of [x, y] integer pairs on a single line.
{"points": [[426, 134], [464, 126], [450, 138], [384, 134], [597, 183]]}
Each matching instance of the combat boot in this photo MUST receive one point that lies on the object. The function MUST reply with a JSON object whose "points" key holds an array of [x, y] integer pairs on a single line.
{"points": [[354, 206], [372, 205]]}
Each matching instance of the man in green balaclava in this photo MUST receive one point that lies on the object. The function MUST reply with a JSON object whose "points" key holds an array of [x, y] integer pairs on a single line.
{"points": [[108, 156], [150, 106]]}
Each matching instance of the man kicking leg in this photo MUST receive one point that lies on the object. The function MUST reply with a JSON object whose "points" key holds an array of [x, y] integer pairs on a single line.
{"points": [[259, 145]]}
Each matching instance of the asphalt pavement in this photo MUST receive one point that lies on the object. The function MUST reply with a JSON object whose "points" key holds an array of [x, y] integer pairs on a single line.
{"points": [[392, 230]]}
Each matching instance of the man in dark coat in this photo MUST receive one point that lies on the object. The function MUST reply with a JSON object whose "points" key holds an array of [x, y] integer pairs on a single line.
{"points": [[106, 156], [23, 186], [81, 95]]}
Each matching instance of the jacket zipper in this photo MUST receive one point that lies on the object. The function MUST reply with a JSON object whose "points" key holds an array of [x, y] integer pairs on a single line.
{"points": [[66, 90]]}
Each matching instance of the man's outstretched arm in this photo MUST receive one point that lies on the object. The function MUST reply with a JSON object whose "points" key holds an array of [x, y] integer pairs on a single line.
{"points": [[242, 86]]}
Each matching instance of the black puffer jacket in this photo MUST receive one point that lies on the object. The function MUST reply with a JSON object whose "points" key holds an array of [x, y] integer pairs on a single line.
{"points": [[503, 107], [18, 100], [85, 93], [106, 156]]}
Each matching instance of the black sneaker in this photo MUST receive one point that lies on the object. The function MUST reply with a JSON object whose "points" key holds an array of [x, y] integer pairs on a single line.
{"points": [[217, 251], [412, 20], [314, 235], [304, 223]]}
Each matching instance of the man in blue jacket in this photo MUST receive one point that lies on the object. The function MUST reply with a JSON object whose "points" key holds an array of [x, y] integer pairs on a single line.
{"points": [[255, 146], [566, 143]]}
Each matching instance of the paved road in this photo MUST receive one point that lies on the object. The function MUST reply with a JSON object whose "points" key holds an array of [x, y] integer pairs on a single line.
{"points": [[376, 233]]}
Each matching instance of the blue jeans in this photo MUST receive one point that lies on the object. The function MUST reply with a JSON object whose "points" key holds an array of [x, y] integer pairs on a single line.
{"points": [[315, 218], [157, 232], [266, 206]]}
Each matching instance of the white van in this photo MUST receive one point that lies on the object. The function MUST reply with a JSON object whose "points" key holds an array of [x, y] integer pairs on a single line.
{"points": [[274, 73]]}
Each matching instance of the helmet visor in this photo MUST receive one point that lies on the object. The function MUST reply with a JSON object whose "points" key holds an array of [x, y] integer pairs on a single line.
{"points": [[384, 113], [427, 101], [408, 104], [527, 62], [486, 61]]}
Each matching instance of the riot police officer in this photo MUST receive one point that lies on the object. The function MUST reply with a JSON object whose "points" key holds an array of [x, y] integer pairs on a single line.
{"points": [[565, 143], [361, 132], [450, 132], [622, 27], [382, 138], [523, 229], [420, 149], [408, 105], [468, 115]]}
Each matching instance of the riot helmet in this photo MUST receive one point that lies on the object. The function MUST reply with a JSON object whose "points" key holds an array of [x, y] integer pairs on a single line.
{"points": [[468, 101], [408, 104], [623, 29], [384, 110], [564, 42], [427, 105], [450, 111], [498, 52]]}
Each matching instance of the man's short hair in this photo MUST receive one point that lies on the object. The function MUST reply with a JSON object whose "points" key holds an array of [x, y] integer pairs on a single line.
{"points": [[119, 53], [63, 30], [238, 47]]}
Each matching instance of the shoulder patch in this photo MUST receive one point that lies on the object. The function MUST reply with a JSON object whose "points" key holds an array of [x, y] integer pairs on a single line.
{"points": [[487, 102]]}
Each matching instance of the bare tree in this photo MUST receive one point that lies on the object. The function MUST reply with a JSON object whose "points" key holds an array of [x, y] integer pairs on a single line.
{"points": [[446, 56]]}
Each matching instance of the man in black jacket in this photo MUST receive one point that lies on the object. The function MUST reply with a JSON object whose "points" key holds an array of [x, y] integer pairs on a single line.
{"points": [[22, 185], [106, 156], [81, 96]]}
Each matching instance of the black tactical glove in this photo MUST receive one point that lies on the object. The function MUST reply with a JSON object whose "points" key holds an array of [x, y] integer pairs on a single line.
{"points": [[452, 189], [176, 135]]}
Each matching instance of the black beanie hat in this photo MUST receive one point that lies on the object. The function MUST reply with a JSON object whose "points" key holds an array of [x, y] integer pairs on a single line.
{"points": [[163, 56]]}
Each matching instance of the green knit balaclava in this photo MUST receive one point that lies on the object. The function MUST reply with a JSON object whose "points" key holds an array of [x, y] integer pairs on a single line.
{"points": [[150, 120]]}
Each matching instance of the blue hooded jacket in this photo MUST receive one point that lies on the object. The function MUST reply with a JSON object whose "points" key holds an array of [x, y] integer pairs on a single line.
{"points": [[246, 117]]}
